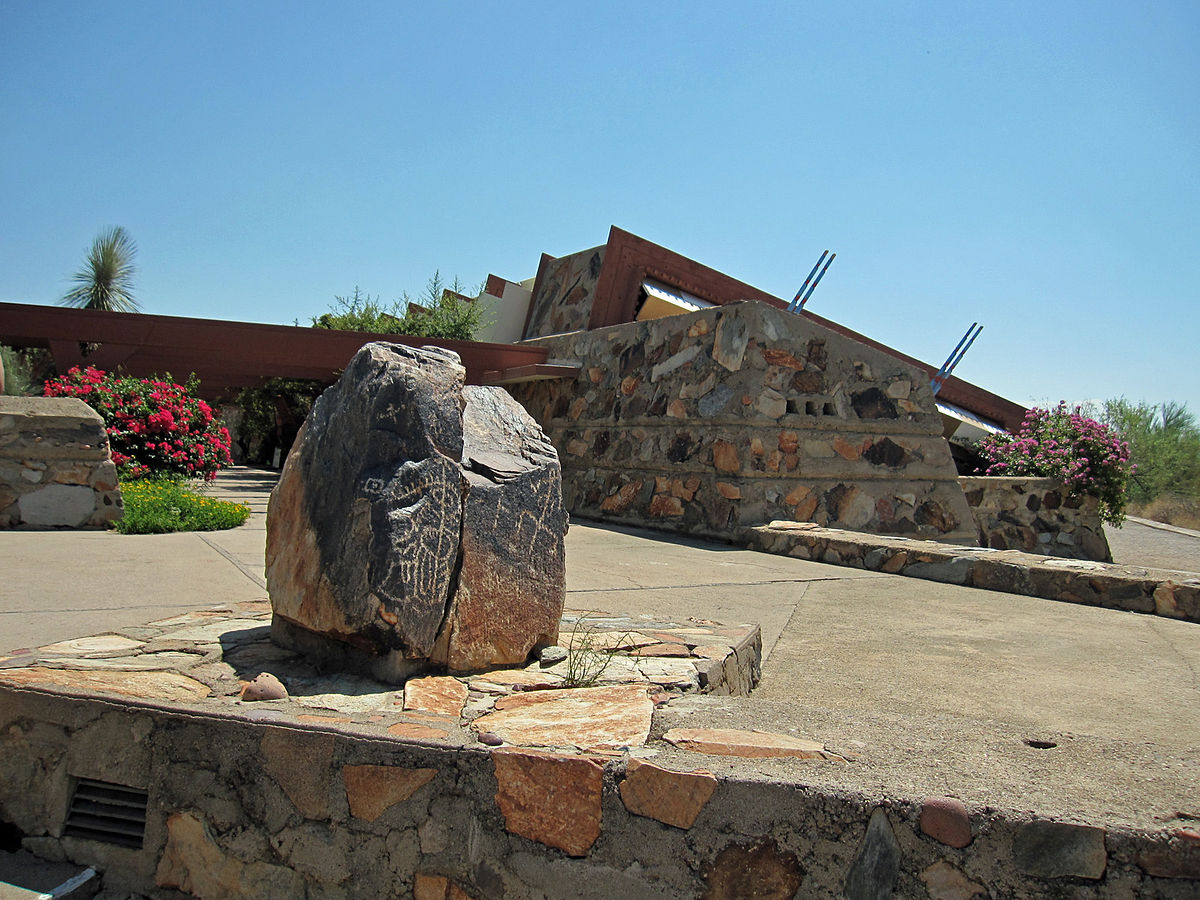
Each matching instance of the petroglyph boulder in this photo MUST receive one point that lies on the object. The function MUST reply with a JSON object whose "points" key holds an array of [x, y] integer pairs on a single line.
{"points": [[416, 522]]}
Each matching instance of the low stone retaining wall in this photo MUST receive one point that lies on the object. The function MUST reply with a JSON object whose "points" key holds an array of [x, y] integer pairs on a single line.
{"points": [[1035, 515], [351, 788], [249, 807], [1165, 593], [56, 469]]}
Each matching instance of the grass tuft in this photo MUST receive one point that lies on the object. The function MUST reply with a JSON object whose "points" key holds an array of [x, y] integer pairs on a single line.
{"points": [[163, 505]]}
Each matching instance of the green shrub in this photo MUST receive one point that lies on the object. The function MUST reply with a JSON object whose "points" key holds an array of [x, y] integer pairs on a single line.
{"points": [[1063, 443], [438, 313], [155, 426], [162, 505]]}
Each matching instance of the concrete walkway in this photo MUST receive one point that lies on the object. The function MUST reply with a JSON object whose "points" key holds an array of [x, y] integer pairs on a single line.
{"points": [[1008, 701], [1144, 542]]}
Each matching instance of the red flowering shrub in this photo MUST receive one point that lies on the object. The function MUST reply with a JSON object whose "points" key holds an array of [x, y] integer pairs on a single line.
{"points": [[1062, 443], [155, 426]]}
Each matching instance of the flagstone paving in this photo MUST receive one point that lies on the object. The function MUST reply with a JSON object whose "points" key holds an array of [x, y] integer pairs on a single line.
{"points": [[599, 697]]}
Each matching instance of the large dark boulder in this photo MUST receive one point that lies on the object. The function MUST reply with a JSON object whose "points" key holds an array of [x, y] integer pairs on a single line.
{"points": [[416, 523]]}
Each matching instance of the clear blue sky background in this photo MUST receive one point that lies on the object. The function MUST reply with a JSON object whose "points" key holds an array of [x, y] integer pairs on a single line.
{"points": [[1032, 166]]}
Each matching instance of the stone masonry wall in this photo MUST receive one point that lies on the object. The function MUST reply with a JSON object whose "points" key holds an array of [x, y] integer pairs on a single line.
{"points": [[564, 293], [56, 469], [742, 414], [238, 808], [1036, 515]]}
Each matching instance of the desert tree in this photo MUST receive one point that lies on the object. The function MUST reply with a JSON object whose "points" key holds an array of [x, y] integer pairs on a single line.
{"points": [[106, 280]]}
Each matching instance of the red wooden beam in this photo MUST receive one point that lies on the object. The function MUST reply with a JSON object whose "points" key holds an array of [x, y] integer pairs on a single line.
{"points": [[222, 354]]}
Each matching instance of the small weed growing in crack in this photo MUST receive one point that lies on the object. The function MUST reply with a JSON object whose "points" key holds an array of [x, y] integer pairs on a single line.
{"points": [[586, 662]]}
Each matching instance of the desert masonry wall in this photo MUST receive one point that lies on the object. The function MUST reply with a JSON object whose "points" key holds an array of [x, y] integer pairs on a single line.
{"points": [[740, 415], [56, 469]]}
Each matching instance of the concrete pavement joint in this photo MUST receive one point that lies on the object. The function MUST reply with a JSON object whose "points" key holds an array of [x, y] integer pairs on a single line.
{"points": [[707, 584], [257, 579], [1166, 639]]}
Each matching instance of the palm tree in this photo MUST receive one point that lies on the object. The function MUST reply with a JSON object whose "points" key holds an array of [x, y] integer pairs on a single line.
{"points": [[106, 280]]}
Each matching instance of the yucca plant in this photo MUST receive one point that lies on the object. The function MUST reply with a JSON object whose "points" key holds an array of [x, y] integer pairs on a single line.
{"points": [[106, 280]]}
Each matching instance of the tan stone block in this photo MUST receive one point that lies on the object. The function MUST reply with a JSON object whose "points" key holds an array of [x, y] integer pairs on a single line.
{"points": [[76, 474], [664, 505], [804, 510], [798, 494], [596, 374], [847, 450], [729, 491], [945, 882], [945, 820], [554, 800], [142, 685], [895, 562], [578, 405], [441, 694], [430, 887], [771, 403], [629, 384], [749, 744], [597, 718], [1164, 600], [696, 390], [192, 862], [698, 328], [370, 790], [526, 679], [623, 498], [900, 389], [775, 357], [725, 456], [664, 649], [577, 447], [756, 447], [677, 409], [299, 762], [789, 441], [712, 651], [417, 732], [675, 798]]}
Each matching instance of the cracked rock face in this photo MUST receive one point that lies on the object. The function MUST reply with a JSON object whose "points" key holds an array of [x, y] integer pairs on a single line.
{"points": [[416, 522]]}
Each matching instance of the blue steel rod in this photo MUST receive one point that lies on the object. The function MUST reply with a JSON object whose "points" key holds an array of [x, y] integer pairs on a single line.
{"points": [[796, 299], [949, 359], [818, 281], [959, 357]]}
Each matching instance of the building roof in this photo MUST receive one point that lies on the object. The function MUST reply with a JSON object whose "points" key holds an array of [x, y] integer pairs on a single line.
{"points": [[627, 261]]}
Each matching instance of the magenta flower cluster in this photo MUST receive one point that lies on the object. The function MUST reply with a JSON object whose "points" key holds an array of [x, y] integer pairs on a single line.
{"points": [[1062, 443], [155, 426]]}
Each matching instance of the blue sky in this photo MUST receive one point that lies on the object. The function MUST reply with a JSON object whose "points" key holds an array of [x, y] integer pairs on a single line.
{"points": [[1035, 167]]}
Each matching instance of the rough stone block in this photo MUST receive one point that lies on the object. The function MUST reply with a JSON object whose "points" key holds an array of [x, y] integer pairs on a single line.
{"points": [[945, 819], [416, 522], [675, 798], [554, 800], [761, 870], [1060, 850], [874, 872], [371, 790]]}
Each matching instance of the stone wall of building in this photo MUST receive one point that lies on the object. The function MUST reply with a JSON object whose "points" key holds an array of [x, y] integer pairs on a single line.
{"points": [[254, 808], [563, 294], [739, 415], [56, 469], [1036, 515]]}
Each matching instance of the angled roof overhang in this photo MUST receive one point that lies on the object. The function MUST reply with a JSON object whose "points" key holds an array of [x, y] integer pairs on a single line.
{"points": [[224, 355]]}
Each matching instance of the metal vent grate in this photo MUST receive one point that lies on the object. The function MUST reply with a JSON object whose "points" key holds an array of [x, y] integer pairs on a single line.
{"points": [[111, 813]]}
